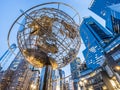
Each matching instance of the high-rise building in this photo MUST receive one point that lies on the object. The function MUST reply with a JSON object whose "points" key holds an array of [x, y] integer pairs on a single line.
{"points": [[95, 80], [113, 19], [5, 59], [76, 68], [34, 81], [108, 10], [104, 50], [62, 80], [95, 38], [112, 53], [91, 31], [59, 76], [67, 85], [71, 84], [17, 76], [58, 81], [99, 6]]}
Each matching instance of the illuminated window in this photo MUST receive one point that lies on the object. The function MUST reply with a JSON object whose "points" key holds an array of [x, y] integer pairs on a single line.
{"points": [[115, 24], [99, 32], [116, 55], [20, 79], [92, 49], [103, 13]]}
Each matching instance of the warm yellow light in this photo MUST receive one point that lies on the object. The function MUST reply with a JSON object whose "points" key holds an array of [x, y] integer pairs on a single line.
{"points": [[117, 68], [114, 78], [82, 79], [113, 83], [57, 87], [36, 26], [104, 88], [81, 83], [92, 74], [33, 86], [85, 81], [90, 88]]}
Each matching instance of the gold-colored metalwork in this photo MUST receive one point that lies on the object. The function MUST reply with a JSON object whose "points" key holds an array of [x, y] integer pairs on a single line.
{"points": [[48, 35], [38, 59], [45, 22]]}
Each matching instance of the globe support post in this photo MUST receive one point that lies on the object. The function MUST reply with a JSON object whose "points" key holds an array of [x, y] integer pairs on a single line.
{"points": [[45, 81]]}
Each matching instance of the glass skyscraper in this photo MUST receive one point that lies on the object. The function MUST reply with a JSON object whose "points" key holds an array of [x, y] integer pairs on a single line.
{"points": [[6, 58], [108, 10], [113, 18], [76, 68], [17, 76], [99, 6], [95, 38]]}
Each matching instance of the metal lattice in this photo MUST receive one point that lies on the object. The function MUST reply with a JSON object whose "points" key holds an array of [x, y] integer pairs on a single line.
{"points": [[48, 33]]}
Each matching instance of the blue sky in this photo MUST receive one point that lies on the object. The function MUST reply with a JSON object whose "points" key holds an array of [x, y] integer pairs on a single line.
{"points": [[10, 10]]}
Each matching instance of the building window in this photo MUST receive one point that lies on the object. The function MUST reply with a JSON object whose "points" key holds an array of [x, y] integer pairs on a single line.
{"points": [[103, 13], [99, 32], [115, 24], [116, 55]]}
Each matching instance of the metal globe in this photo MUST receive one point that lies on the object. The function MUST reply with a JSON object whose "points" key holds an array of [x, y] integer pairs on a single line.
{"points": [[48, 36]]}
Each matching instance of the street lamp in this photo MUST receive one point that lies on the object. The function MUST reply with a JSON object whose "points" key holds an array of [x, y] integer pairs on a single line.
{"points": [[104, 87], [113, 84], [82, 83], [33, 86], [57, 87], [117, 68], [90, 88], [85, 81]]}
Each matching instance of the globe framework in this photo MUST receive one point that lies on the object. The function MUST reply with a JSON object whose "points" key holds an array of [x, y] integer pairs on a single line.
{"points": [[49, 36]]}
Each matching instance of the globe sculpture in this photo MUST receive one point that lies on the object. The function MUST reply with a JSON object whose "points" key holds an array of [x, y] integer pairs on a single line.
{"points": [[48, 36]]}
